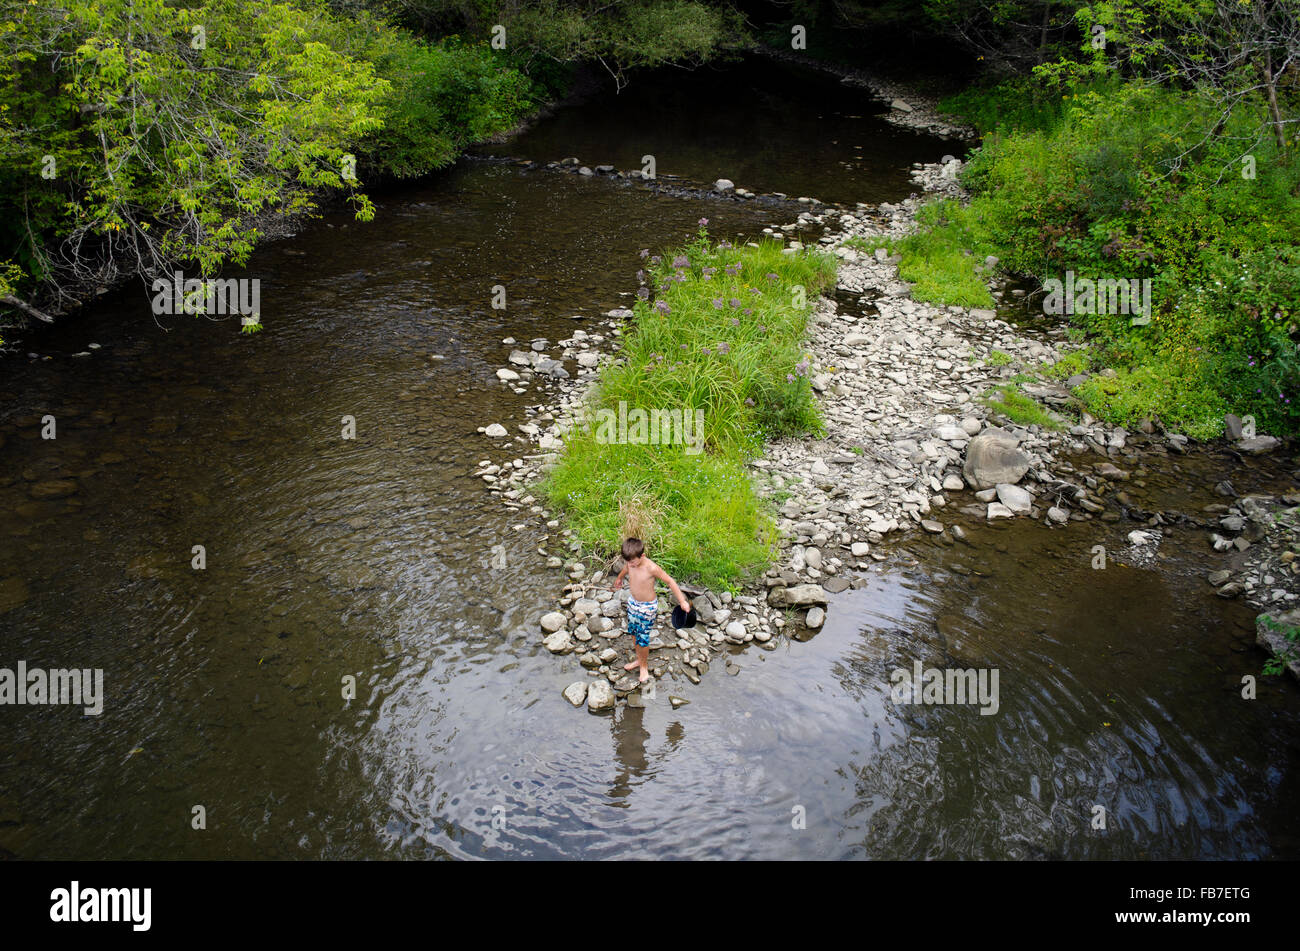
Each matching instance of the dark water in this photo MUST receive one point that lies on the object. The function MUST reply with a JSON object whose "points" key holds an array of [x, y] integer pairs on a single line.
{"points": [[371, 558], [762, 125]]}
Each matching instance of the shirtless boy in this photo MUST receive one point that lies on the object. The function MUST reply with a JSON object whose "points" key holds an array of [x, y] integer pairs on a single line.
{"points": [[642, 605]]}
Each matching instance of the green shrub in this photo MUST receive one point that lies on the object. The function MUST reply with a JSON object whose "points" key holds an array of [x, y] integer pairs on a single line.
{"points": [[1140, 182]]}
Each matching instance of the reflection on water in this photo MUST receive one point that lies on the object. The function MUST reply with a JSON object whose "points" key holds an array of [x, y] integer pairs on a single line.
{"points": [[329, 559], [762, 124]]}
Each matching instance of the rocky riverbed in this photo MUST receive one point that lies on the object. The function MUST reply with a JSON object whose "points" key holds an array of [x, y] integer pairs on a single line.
{"points": [[911, 447]]}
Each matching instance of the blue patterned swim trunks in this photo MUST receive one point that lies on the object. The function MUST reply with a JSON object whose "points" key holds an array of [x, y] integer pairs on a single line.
{"points": [[641, 619]]}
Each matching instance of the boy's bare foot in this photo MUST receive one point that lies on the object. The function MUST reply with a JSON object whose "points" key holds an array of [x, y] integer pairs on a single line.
{"points": [[645, 675], [633, 666]]}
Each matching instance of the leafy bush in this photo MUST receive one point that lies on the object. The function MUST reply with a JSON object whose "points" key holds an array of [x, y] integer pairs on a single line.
{"points": [[1139, 182]]}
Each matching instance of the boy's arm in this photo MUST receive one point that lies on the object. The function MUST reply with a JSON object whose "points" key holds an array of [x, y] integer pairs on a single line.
{"points": [[619, 583], [672, 585]]}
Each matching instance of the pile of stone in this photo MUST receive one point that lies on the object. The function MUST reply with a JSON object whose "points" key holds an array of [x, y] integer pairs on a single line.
{"points": [[588, 623]]}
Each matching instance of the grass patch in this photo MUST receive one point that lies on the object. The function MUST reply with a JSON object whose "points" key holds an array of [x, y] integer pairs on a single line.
{"points": [[723, 336], [1008, 401], [938, 261], [866, 245], [999, 359]]}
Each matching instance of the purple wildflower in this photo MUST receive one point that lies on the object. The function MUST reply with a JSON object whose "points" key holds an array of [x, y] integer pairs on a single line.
{"points": [[735, 302], [644, 253], [643, 293], [681, 261], [717, 303], [749, 311], [772, 277], [724, 347], [735, 321], [789, 378], [640, 277], [656, 259], [749, 401], [704, 222], [662, 307], [706, 351]]}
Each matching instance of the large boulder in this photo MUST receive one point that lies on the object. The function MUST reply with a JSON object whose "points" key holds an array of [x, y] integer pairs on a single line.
{"points": [[576, 693], [992, 458], [798, 596]]}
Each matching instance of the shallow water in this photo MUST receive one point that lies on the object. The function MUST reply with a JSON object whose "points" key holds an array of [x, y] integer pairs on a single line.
{"points": [[373, 558]]}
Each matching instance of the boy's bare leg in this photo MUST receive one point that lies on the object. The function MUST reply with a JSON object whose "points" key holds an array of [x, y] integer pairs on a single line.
{"points": [[643, 658]]}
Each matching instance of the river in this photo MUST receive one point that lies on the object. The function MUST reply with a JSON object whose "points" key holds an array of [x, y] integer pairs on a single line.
{"points": [[374, 558]]}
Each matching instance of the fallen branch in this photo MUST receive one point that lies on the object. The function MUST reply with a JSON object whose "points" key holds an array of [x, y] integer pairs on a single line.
{"points": [[26, 308]]}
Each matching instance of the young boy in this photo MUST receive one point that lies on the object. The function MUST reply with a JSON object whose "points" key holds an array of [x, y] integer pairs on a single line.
{"points": [[642, 605]]}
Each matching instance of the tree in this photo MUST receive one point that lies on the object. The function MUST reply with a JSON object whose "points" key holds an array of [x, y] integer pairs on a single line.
{"points": [[136, 135], [1233, 51]]}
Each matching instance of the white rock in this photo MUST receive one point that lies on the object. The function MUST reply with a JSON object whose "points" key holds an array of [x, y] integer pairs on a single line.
{"points": [[559, 642], [1018, 500], [600, 695]]}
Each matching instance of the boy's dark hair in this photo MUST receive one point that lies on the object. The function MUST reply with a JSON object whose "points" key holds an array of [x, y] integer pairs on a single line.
{"points": [[633, 548]]}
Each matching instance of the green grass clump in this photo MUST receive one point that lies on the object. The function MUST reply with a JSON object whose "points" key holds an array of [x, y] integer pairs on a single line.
{"points": [[998, 358], [724, 336], [1070, 363], [1008, 401], [1157, 390], [866, 245], [938, 260]]}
